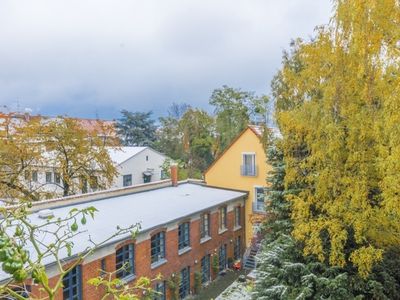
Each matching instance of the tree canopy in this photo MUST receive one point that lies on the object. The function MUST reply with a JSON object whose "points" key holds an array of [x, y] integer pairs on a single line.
{"points": [[136, 128], [234, 109], [338, 100]]}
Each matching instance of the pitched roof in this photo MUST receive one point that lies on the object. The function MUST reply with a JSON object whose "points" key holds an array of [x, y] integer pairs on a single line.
{"points": [[91, 125], [122, 154], [257, 130]]}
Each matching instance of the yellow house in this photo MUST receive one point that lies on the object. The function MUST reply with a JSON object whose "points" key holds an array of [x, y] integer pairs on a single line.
{"points": [[243, 166]]}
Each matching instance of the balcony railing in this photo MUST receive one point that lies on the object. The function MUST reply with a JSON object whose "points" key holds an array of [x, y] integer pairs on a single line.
{"points": [[248, 170], [259, 207]]}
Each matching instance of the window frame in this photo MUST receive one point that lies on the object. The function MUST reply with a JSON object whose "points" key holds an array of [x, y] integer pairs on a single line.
{"points": [[223, 218], [124, 180], [222, 250], [161, 288], [259, 205], [57, 178], [158, 237], [35, 176], [49, 177], [237, 248], [249, 170], [68, 285], [238, 216], [205, 227], [103, 266], [127, 255], [184, 235], [205, 267], [184, 285]]}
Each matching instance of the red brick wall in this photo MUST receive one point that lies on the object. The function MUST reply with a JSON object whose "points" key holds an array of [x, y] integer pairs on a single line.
{"points": [[175, 262]]}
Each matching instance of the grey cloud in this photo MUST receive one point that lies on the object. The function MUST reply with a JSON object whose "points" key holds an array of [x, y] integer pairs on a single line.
{"points": [[82, 57]]}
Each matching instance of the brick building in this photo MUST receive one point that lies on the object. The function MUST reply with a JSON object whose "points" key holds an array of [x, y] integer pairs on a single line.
{"points": [[183, 226]]}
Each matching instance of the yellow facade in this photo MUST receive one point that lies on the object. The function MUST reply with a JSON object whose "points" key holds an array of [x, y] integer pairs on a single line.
{"points": [[226, 172]]}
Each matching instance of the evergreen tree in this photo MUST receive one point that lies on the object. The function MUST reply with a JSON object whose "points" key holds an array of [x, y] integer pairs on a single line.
{"points": [[136, 129], [283, 272]]}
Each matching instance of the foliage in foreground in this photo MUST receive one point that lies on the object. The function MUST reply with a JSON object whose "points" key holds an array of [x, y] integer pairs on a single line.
{"points": [[26, 248]]}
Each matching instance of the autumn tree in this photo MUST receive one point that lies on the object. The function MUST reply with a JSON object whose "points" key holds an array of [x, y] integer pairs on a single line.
{"points": [[338, 111], [20, 157], [78, 155]]}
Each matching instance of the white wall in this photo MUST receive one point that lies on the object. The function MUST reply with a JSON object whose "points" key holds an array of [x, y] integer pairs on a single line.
{"points": [[135, 165], [138, 164]]}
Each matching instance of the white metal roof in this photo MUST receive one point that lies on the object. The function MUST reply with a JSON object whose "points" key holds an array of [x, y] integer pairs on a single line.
{"points": [[122, 154], [151, 209]]}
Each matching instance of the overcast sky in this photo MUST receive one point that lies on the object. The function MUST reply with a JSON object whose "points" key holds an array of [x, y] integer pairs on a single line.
{"points": [[93, 58]]}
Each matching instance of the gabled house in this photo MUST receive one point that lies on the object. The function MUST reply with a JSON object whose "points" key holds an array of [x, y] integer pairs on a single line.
{"points": [[243, 165], [136, 165]]}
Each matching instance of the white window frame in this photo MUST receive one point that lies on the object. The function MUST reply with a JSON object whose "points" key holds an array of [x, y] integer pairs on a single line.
{"points": [[255, 195], [254, 161]]}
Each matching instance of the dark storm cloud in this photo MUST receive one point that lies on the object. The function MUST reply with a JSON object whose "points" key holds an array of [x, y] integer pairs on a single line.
{"points": [[85, 57]]}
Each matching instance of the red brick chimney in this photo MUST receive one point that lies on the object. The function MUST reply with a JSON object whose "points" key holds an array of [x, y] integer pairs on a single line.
{"points": [[174, 174]]}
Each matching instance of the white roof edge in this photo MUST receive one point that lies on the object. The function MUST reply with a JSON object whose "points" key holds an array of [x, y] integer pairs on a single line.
{"points": [[144, 148]]}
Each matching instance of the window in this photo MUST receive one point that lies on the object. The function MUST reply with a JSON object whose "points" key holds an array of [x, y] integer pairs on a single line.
{"points": [[57, 178], [259, 199], [160, 289], [34, 176], [205, 269], [49, 176], [84, 185], [94, 183], [72, 284], [127, 180], [237, 253], [184, 235], [222, 218], [249, 165], [205, 225], [124, 261], [27, 175], [147, 158], [157, 247], [222, 258], [103, 267], [184, 286], [238, 221]]}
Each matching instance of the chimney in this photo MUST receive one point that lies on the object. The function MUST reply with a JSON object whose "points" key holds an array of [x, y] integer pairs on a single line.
{"points": [[174, 174]]}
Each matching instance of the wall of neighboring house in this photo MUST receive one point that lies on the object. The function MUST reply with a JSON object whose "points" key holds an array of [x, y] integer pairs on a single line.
{"points": [[175, 262], [147, 160], [46, 179], [226, 172]]}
